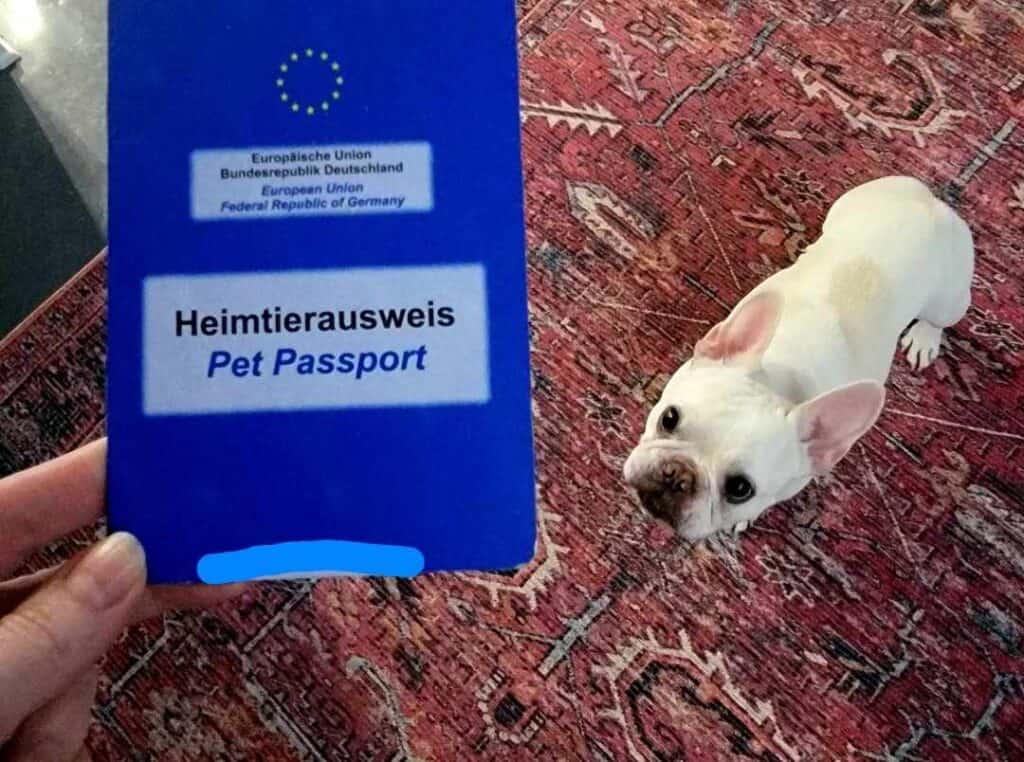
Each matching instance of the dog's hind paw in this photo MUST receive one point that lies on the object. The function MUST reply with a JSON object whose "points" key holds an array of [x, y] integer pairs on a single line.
{"points": [[922, 343]]}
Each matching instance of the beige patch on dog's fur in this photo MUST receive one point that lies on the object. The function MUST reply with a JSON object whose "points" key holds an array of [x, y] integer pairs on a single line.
{"points": [[855, 287]]}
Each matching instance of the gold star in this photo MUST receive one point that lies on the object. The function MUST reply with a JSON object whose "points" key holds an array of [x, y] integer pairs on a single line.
{"points": [[309, 52], [336, 95], [284, 67], [340, 80], [335, 66], [284, 97], [324, 56], [295, 56], [325, 105], [311, 111], [280, 83], [295, 107]]}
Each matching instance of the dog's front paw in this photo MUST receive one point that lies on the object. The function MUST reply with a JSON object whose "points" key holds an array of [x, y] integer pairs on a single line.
{"points": [[739, 528], [922, 343]]}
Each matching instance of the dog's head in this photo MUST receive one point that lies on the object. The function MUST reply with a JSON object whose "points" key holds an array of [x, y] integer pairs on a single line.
{"points": [[720, 447]]}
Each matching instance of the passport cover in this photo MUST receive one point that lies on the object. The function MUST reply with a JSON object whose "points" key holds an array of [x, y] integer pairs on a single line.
{"points": [[318, 353]]}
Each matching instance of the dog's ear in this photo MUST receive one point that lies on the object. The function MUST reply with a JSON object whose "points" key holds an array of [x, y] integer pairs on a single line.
{"points": [[830, 424], [746, 334]]}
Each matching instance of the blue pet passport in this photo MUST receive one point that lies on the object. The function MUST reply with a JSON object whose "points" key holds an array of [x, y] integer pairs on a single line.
{"points": [[318, 355]]}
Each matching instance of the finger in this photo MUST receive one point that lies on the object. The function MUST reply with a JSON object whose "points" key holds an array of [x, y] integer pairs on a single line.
{"points": [[13, 592], [63, 629], [44, 503], [155, 600], [57, 731]]}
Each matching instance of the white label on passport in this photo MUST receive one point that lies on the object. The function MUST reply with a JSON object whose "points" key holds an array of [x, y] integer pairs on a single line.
{"points": [[322, 339], [312, 181]]}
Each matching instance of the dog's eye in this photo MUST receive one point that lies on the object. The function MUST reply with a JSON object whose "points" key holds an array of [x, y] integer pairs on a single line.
{"points": [[738, 489], [670, 420]]}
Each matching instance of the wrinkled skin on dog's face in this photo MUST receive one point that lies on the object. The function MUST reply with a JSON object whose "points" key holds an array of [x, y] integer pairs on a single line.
{"points": [[721, 447]]}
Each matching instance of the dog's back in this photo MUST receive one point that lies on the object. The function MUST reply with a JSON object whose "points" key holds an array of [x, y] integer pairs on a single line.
{"points": [[890, 253]]}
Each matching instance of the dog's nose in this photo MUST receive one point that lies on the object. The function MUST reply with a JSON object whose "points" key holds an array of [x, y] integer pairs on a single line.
{"points": [[668, 488], [678, 476]]}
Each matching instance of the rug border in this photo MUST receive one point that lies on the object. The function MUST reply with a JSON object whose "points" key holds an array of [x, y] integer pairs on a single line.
{"points": [[21, 328]]}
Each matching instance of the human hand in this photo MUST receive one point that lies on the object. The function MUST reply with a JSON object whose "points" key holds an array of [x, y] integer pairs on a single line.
{"points": [[56, 624]]}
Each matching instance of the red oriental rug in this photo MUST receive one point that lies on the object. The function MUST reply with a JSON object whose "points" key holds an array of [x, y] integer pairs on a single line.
{"points": [[676, 153]]}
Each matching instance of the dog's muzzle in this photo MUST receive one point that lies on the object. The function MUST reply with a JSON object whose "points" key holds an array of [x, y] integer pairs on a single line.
{"points": [[666, 484]]}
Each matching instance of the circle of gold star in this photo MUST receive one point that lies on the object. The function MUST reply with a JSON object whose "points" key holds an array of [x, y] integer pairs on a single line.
{"points": [[315, 58]]}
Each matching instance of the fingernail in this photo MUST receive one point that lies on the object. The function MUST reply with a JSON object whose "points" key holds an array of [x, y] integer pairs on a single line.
{"points": [[110, 571]]}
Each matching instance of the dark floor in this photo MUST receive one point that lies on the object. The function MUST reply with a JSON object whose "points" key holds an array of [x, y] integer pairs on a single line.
{"points": [[46, 231], [53, 178]]}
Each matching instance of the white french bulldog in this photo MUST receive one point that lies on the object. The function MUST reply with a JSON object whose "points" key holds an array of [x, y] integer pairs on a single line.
{"points": [[780, 391]]}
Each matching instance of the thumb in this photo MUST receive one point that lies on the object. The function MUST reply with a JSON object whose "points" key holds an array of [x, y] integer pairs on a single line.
{"points": [[52, 638]]}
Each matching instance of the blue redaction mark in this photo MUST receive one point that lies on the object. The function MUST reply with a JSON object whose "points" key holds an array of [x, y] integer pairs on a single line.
{"points": [[317, 557]]}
